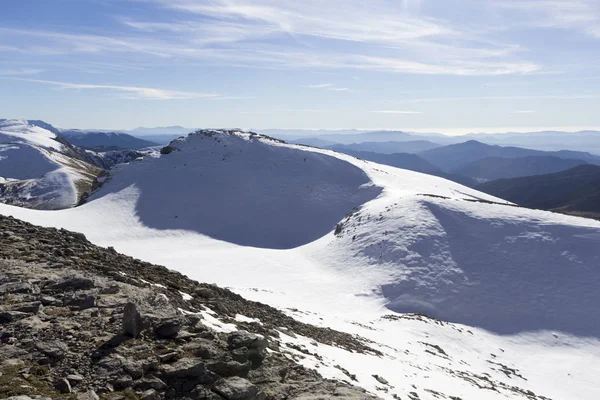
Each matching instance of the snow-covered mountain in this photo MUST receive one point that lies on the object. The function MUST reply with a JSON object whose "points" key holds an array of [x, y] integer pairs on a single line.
{"points": [[371, 250], [39, 169]]}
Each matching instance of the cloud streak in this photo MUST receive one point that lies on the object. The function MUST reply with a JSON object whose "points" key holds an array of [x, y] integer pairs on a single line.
{"points": [[128, 92]]}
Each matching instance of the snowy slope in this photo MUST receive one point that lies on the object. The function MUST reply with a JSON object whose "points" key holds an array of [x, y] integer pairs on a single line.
{"points": [[518, 286], [39, 171]]}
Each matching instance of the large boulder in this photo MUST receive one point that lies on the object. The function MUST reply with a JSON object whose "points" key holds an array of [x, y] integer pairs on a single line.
{"points": [[133, 324], [236, 388]]}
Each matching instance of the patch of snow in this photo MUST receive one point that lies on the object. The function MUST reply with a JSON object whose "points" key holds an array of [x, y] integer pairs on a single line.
{"points": [[243, 318], [185, 296]]}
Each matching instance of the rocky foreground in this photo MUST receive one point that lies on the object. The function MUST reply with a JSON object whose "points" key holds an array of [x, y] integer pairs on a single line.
{"points": [[78, 321]]}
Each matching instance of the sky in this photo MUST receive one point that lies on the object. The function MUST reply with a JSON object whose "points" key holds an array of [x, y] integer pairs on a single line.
{"points": [[450, 66]]}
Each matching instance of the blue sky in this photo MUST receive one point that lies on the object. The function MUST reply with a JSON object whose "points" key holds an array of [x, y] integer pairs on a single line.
{"points": [[425, 65]]}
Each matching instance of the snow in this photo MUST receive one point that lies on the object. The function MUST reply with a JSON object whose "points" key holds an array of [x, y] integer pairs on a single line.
{"points": [[519, 286], [185, 296], [41, 176]]}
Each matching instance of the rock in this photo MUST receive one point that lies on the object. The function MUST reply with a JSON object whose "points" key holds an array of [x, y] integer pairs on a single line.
{"points": [[11, 316], [55, 349], [240, 355], [32, 308], [82, 301], [149, 394], [149, 383], [187, 368], [74, 379], [230, 368], [169, 357], [381, 380], [72, 283], [132, 321], [202, 348], [123, 382], [168, 329], [236, 388], [12, 363], [113, 289], [50, 301], [89, 395], [16, 287], [202, 393], [255, 344], [135, 369], [63, 386]]}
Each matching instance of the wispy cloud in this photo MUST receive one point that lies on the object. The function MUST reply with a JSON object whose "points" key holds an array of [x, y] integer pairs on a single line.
{"points": [[320, 85], [385, 37], [21, 71], [129, 92], [580, 15], [396, 112], [339, 89]]}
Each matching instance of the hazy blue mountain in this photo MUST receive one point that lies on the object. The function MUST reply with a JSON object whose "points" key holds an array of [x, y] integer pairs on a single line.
{"points": [[576, 190], [160, 139], [453, 158], [104, 140], [587, 141], [315, 142], [491, 168], [413, 147], [163, 130]]}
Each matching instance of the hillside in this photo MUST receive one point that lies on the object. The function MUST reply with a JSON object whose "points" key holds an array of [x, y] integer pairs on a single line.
{"points": [[461, 293], [491, 168], [104, 141], [576, 190], [39, 169], [84, 320]]}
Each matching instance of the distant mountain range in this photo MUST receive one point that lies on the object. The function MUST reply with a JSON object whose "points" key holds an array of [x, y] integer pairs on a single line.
{"points": [[104, 141], [587, 141], [457, 157], [413, 147], [574, 191], [411, 162]]}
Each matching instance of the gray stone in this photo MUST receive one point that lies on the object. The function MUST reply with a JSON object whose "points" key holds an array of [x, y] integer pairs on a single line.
{"points": [[186, 368], [135, 369], [63, 386], [149, 394], [54, 349], [236, 388], [168, 329], [132, 321], [230, 368], [10, 316], [72, 283], [82, 301], [50, 301], [16, 287], [89, 395], [32, 308], [74, 379], [149, 383]]}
